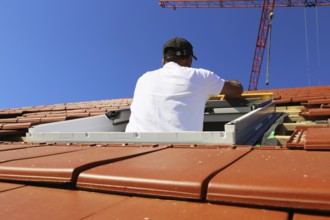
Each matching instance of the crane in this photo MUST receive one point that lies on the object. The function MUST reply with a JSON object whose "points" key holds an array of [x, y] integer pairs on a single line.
{"points": [[265, 20]]}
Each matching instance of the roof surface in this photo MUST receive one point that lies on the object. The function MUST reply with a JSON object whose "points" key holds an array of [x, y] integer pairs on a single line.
{"points": [[286, 176]]}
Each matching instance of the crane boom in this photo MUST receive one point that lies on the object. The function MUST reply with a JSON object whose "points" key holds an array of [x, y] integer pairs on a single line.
{"points": [[239, 3], [265, 20]]}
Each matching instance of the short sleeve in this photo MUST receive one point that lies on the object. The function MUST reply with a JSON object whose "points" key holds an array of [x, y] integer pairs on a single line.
{"points": [[213, 84]]}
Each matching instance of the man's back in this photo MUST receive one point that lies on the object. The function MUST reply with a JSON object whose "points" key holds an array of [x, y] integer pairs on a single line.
{"points": [[172, 99]]}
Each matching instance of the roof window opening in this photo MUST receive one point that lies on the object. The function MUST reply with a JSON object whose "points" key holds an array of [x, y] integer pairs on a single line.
{"points": [[241, 121]]}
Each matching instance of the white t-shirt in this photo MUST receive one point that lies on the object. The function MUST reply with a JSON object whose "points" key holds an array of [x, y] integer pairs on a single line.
{"points": [[172, 98]]}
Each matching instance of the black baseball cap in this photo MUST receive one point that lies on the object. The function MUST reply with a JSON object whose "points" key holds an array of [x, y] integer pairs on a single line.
{"points": [[178, 47]]}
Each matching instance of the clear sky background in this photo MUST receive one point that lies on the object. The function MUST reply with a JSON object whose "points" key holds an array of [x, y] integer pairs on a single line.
{"points": [[63, 51]]}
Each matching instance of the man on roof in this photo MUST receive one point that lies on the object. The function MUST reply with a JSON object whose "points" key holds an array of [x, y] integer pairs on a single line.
{"points": [[173, 97]]}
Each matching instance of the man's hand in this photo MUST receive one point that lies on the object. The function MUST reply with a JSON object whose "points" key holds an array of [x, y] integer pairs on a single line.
{"points": [[232, 89]]}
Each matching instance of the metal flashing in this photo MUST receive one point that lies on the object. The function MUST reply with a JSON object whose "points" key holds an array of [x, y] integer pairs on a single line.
{"points": [[224, 123]]}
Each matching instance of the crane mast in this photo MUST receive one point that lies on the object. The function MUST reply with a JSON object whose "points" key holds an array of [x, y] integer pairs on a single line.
{"points": [[265, 20]]}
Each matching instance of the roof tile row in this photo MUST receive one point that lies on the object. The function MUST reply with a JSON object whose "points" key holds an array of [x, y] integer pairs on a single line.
{"points": [[30, 202], [304, 95], [286, 178]]}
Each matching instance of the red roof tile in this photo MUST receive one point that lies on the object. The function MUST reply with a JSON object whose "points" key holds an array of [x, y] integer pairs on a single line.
{"points": [[310, 137], [46, 203], [5, 146], [29, 202], [315, 112], [174, 172], [318, 101], [33, 152], [317, 139], [279, 178], [300, 216], [15, 126], [142, 208], [60, 164], [8, 186], [304, 98]]}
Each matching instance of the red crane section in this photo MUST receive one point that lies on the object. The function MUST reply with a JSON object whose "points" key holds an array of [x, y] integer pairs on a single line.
{"points": [[265, 20]]}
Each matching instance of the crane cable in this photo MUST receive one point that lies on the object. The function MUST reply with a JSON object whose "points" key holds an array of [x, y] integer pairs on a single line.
{"points": [[307, 52], [271, 14], [318, 46]]}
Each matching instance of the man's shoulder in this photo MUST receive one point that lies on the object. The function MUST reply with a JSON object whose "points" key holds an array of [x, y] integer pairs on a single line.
{"points": [[203, 72], [149, 75]]}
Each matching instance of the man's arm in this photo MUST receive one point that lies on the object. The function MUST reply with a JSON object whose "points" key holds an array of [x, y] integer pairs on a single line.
{"points": [[232, 89]]}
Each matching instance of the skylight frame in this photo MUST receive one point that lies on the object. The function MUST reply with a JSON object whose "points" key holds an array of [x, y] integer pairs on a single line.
{"points": [[241, 125]]}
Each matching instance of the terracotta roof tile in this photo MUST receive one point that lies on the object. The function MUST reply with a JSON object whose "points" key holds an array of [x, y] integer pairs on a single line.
{"points": [[142, 208], [306, 216], [60, 164], [77, 115], [310, 138], [317, 139], [283, 100], [297, 139], [30, 202], [52, 119], [174, 172], [35, 115], [34, 152], [302, 98], [14, 126], [5, 146], [9, 186], [37, 203], [278, 178], [28, 120], [315, 112], [40, 120], [97, 113], [8, 120], [317, 101]]}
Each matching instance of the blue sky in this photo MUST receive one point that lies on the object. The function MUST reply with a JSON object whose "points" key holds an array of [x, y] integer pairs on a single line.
{"points": [[62, 51]]}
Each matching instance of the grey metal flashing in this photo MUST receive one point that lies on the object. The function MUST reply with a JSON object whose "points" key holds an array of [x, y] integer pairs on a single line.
{"points": [[98, 123], [134, 137], [238, 128], [268, 137]]}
